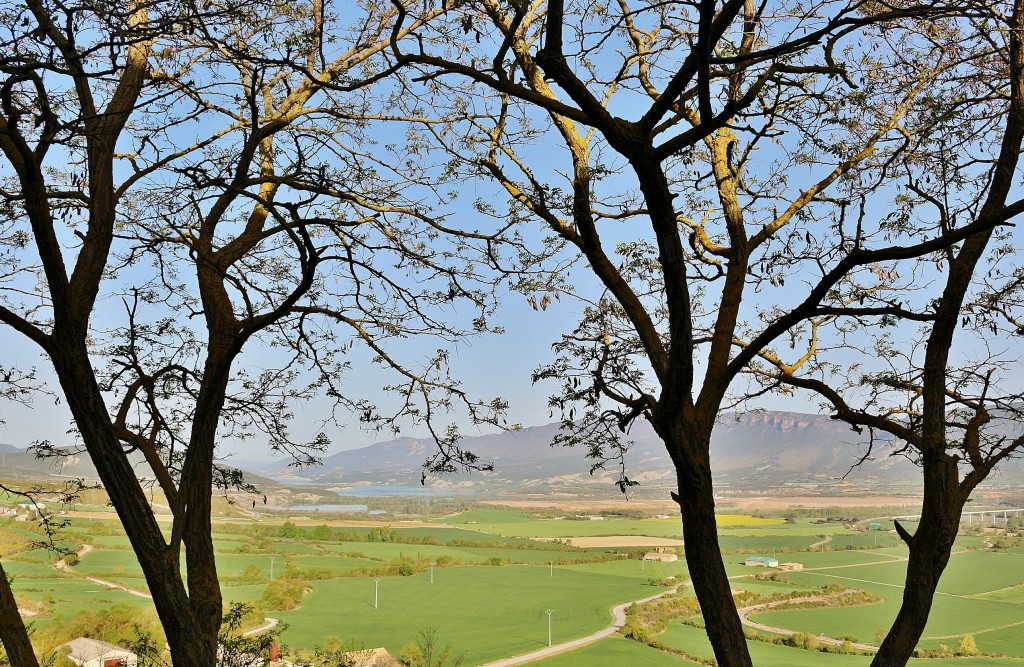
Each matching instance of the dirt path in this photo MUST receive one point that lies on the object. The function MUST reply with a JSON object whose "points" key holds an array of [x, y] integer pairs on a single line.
{"points": [[828, 538], [618, 620], [746, 611], [63, 567]]}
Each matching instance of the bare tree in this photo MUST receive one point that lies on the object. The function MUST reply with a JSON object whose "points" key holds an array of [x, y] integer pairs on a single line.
{"points": [[699, 157], [956, 414], [189, 184]]}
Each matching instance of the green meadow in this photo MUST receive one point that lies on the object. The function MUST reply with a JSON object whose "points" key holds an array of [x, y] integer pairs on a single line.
{"points": [[461, 603], [497, 571]]}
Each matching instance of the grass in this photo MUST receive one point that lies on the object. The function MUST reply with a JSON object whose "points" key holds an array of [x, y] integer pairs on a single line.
{"points": [[952, 614], [518, 524], [982, 591], [694, 642], [487, 515], [463, 605], [389, 551], [613, 652]]}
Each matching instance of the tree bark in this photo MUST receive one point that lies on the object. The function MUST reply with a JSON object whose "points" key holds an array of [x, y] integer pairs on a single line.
{"points": [[930, 549], [190, 644], [13, 632], [696, 498]]}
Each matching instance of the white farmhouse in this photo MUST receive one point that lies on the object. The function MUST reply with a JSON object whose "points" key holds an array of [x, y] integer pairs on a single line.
{"points": [[86, 652]]}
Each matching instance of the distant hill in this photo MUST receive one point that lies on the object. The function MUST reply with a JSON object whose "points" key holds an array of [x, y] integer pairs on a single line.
{"points": [[17, 462], [21, 463], [786, 453], [752, 450]]}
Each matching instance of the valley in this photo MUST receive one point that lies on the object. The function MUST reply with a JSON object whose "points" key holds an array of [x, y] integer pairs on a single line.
{"points": [[482, 577]]}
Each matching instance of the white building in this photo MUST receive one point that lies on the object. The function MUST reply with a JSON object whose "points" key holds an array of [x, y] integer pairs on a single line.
{"points": [[86, 652], [662, 557]]}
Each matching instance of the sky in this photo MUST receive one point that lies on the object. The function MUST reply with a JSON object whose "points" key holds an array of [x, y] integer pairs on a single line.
{"points": [[488, 366]]}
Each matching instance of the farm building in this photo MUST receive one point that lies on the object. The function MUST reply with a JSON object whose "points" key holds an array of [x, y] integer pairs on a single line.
{"points": [[374, 657], [761, 561], [663, 557], [86, 652], [874, 525]]}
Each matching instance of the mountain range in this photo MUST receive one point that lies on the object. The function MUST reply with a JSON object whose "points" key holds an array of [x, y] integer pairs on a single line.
{"points": [[783, 452], [764, 449]]}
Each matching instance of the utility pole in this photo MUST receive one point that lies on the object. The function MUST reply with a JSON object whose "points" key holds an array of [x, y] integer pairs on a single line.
{"points": [[431, 571], [549, 612], [376, 581], [272, 568]]}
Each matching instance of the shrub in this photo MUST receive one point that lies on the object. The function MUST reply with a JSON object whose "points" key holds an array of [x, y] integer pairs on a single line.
{"points": [[427, 651], [804, 640], [967, 647], [252, 574]]}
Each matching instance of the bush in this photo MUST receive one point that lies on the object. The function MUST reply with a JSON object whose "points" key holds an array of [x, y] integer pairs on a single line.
{"points": [[284, 594], [967, 647], [252, 574], [405, 570], [428, 652], [804, 640]]}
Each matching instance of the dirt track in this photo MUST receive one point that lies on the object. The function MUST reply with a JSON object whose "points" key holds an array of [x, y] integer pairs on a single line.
{"points": [[620, 541]]}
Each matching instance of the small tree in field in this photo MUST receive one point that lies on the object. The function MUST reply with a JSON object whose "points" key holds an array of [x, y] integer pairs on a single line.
{"points": [[967, 647], [427, 651]]}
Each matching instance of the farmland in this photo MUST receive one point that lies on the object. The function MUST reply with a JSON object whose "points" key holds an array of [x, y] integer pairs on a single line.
{"points": [[380, 583]]}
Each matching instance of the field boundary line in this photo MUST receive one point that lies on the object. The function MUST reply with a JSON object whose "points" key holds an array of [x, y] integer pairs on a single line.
{"points": [[61, 566], [757, 608], [977, 632]]}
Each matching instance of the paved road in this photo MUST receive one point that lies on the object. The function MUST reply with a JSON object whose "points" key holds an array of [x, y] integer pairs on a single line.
{"points": [[619, 619], [269, 623]]}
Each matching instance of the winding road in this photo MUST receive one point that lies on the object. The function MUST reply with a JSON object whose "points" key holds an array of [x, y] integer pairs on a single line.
{"points": [[618, 620], [268, 623]]}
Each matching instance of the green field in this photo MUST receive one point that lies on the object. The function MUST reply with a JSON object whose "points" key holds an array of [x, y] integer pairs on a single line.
{"points": [[493, 576], [694, 642], [614, 652], [511, 523], [460, 604], [962, 605]]}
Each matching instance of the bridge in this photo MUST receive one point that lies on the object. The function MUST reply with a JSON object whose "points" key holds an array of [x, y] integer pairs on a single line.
{"points": [[992, 516]]}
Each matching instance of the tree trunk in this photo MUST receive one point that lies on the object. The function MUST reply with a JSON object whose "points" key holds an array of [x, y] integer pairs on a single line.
{"points": [[190, 645], [13, 632], [929, 553], [704, 556]]}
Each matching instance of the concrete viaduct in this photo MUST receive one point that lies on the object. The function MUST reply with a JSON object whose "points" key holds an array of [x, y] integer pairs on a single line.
{"points": [[992, 516]]}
